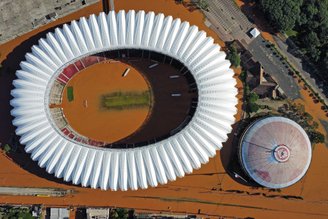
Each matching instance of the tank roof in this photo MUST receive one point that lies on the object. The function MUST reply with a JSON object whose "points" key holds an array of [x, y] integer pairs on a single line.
{"points": [[275, 152]]}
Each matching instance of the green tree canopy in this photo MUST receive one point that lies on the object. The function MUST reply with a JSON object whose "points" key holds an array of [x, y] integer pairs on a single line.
{"points": [[16, 213], [312, 43], [282, 13], [253, 97], [122, 213], [313, 29], [253, 107], [203, 4], [325, 59], [6, 148], [233, 56], [307, 18], [317, 137]]}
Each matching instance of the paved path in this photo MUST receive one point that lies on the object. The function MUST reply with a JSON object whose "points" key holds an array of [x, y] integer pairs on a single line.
{"points": [[227, 18], [274, 66], [50, 192], [316, 83], [230, 23]]}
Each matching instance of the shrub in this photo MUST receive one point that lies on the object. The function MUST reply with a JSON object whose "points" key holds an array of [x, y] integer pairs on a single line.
{"points": [[203, 4], [243, 76], [233, 56], [317, 137], [6, 148], [253, 107], [122, 213], [253, 97]]}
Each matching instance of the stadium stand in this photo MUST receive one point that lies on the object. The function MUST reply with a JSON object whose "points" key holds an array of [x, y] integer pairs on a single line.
{"points": [[58, 117], [56, 93], [89, 60], [79, 65], [127, 55]]}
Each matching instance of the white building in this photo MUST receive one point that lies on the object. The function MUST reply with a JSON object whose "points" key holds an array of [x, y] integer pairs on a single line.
{"points": [[275, 152], [98, 213], [254, 32], [59, 213]]}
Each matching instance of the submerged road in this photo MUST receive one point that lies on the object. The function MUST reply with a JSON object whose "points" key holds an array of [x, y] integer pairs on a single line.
{"points": [[25, 191]]}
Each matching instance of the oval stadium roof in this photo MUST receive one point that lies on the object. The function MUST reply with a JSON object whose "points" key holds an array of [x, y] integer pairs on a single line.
{"points": [[275, 152], [123, 169]]}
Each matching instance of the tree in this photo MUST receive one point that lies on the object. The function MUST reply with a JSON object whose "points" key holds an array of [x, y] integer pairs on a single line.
{"points": [[246, 90], [315, 125], [253, 97], [317, 137], [253, 107], [122, 213], [243, 76], [131, 214], [6, 148], [322, 16], [233, 56], [307, 116], [179, 1], [282, 13], [309, 19], [19, 213], [312, 43], [202, 4], [308, 11], [325, 60], [313, 29]]}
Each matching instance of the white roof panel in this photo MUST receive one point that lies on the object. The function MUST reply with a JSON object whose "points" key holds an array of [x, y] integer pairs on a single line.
{"points": [[135, 167]]}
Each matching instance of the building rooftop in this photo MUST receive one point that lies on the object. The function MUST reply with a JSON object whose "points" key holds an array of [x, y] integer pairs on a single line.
{"points": [[99, 213], [127, 168], [59, 213], [254, 32], [275, 152]]}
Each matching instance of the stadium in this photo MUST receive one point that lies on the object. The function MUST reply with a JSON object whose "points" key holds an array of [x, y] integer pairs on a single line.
{"points": [[69, 109]]}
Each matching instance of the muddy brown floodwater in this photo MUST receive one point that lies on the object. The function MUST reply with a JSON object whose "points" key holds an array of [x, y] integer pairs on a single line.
{"points": [[209, 191], [89, 85]]}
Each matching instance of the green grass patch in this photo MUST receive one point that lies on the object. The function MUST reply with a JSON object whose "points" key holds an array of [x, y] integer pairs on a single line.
{"points": [[291, 33], [70, 94], [125, 100]]}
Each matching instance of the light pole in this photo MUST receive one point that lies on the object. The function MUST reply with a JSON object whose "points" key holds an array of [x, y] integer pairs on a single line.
{"points": [[238, 176], [112, 6]]}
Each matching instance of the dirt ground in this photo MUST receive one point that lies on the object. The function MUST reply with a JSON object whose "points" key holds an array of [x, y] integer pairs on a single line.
{"points": [[209, 191], [89, 85]]}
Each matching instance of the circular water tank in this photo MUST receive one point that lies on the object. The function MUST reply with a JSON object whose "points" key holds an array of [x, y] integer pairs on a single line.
{"points": [[275, 152]]}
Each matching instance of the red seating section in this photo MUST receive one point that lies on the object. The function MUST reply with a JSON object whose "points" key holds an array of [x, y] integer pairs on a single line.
{"points": [[77, 66], [61, 78], [70, 71], [69, 133], [90, 60], [101, 58]]}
